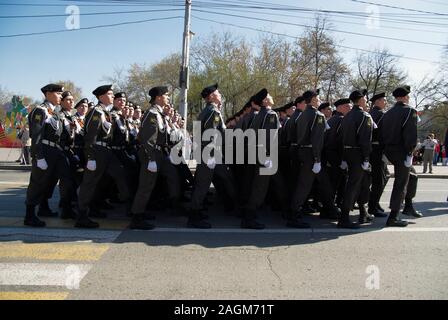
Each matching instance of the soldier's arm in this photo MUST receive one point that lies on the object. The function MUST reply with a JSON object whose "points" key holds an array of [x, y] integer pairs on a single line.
{"points": [[409, 131], [91, 127], [365, 137], [271, 123], [147, 135], [36, 127], [317, 136]]}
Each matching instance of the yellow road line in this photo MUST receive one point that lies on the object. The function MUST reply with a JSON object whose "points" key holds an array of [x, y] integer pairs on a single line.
{"points": [[33, 295], [53, 251]]}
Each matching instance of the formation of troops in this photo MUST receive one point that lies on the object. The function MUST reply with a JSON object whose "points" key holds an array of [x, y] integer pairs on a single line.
{"points": [[331, 160]]}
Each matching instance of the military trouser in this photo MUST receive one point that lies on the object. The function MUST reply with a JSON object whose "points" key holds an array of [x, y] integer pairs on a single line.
{"points": [[336, 175], [106, 162], [428, 157], [358, 182], [379, 176], [130, 167], [259, 189], [148, 179], [42, 180], [203, 178], [305, 180], [411, 189], [397, 156]]}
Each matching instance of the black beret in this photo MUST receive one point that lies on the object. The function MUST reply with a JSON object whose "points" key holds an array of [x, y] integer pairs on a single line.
{"points": [[208, 90], [401, 91], [299, 99], [52, 88], [310, 94], [248, 104], [357, 94], [285, 107], [91, 104], [120, 95], [323, 106], [137, 107], [80, 102], [238, 114], [260, 96], [341, 102], [65, 94], [157, 91], [378, 96], [101, 90]]}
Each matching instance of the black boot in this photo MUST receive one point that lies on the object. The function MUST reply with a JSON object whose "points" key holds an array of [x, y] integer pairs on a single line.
{"points": [[294, 220], [83, 221], [394, 221], [364, 216], [45, 211], [380, 209], [67, 212], [249, 220], [409, 210], [138, 223], [345, 223], [331, 213], [95, 212], [195, 220], [31, 219]]}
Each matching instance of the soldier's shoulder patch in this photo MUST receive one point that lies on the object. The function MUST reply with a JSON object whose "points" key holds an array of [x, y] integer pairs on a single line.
{"points": [[369, 121], [320, 119], [216, 119], [37, 117], [272, 119]]}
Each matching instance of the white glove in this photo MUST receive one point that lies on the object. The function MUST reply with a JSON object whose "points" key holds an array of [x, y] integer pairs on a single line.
{"points": [[132, 157], [268, 164], [76, 158], [385, 160], [343, 165], [316, 167], [91, 165], [408, 161], [152, 166], [366, 166], [42, 164], [211, 163]]}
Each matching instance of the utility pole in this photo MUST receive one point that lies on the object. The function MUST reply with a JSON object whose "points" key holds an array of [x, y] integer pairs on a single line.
{"points": [[184, 73]]}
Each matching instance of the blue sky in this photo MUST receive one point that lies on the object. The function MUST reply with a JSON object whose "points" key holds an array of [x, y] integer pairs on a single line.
{"points": [[87, 56]]}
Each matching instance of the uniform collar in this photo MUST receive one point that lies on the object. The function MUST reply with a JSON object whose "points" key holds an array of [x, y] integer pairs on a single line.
{"points": [[49, 105], [159, 108]]}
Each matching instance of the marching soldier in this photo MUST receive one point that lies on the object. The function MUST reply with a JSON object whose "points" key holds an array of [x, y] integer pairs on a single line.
{"points": [[309, 137], [154, 157], [266, 119], [399, 136], [82, 106], [379, 167], [326, 109], [48, 159], [100, 158], [333, 150], [210, 118], [356, 129]]}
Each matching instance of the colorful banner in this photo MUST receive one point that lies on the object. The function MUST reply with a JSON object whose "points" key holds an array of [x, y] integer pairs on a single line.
{"points": [[16, 112]]}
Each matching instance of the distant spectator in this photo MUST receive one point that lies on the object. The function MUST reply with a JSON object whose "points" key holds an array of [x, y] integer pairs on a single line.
{"points": [[437, 150], [428, 155], [25, 138], [444, 158]]}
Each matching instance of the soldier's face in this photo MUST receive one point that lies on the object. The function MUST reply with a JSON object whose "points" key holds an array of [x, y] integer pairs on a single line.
{"points": [[381, 103], [68, 103], [54, 97], [268, 101], [137, 114], [290, 111], [301, 105], [362, 102], [119, 103], [215, 97], [315, 101], [107, 98], [82, 109]]}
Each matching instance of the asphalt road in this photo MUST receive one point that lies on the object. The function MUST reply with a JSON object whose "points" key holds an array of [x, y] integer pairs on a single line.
{"points": [[172, 262]]}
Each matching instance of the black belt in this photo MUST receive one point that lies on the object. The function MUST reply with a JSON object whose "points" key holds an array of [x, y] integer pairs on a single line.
{"points": [[103, 144], [51, 144], [350, 147], [305, 145]]}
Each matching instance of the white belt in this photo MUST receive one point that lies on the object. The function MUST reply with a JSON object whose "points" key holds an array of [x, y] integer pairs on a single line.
{"points": [[101, 143], [51, 144]]}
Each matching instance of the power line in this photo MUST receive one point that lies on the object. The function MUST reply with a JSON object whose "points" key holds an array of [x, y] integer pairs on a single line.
{"points": [[333, 20], [400, 8], [295, 37], [329, 29], [89, 14], [88, 28]]}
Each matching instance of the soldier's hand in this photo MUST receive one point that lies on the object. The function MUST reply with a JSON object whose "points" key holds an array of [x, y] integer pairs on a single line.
{"points": [[91, 165], [316, 167], [42, 164], [343, 165], [211, 163], [152, 166], [408, 161], [268, 164], [366, 166]]}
